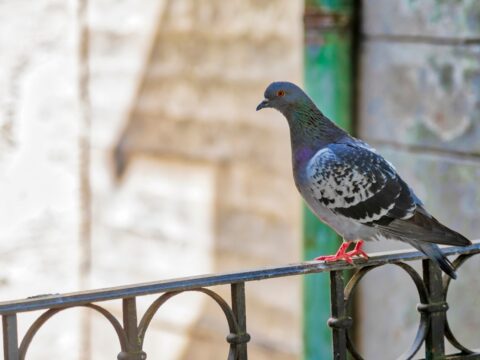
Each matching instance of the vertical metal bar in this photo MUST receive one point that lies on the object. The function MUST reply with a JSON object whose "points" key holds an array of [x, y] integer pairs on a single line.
{"points": [[130, 325], [435, 340], [129, 307], [339, 321], [10, 337], [239, 310]]}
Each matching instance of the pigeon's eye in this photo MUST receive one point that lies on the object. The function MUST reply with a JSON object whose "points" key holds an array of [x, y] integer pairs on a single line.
{"points": [[280, 93]]}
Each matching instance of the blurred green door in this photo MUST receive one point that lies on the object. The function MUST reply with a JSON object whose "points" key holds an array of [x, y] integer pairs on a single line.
{"points": [[328, 74]]}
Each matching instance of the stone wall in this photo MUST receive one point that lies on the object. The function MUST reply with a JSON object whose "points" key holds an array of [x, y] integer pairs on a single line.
{"points": [[39, 167], [185, 177], [419, 105]]}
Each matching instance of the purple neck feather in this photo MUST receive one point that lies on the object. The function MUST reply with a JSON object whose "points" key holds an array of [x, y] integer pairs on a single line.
{"points": [[302, 154]]}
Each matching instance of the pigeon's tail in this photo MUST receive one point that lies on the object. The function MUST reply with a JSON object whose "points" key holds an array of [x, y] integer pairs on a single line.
{"points": [[434, 253], [423, 232], [423, 227]]}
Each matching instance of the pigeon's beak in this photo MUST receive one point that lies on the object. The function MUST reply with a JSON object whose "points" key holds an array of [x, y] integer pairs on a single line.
{"points": [[263, 104]]}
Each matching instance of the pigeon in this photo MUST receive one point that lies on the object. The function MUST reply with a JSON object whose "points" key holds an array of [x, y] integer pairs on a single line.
{"points": [[352, 188]]}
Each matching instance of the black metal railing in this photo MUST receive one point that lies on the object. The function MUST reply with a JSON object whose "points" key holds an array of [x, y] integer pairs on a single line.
{"points": [[432, 289]]}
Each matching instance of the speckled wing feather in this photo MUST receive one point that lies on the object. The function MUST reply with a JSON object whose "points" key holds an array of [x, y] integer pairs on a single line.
{"points": [[354, 181]]}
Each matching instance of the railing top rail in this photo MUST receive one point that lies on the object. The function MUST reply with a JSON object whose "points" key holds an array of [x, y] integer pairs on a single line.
{"points": [[187, 283]]}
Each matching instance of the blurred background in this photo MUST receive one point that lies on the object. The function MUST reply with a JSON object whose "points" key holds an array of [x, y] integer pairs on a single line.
{"points": [[130, 151]]}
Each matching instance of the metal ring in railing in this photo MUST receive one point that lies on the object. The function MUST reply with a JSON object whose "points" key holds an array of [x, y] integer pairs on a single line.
{"points": [[423, 295], [459, 261], [234, 338], [151, 311], [42, 319]]}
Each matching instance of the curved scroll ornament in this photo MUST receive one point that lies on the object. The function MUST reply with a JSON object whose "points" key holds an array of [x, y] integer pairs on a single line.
{"points": [[423, 295], [47, 315], [235, 337], [459, 261]]}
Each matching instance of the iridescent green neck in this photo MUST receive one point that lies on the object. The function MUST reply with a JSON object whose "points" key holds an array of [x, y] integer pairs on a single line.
{"points": [[310, 129]]}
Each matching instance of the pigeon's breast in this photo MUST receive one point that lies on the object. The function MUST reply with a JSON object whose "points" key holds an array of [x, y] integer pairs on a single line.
{"points": [[304, 186], [347, 228], [312, 187]]}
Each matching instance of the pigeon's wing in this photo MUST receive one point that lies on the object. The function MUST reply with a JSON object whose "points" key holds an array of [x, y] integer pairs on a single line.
{"points": [[354, 181]]}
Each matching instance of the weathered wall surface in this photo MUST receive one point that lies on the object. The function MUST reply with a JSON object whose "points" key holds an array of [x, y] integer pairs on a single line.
{"points": [[419, 104], [206, 183], [39, 128], [208, 67]]}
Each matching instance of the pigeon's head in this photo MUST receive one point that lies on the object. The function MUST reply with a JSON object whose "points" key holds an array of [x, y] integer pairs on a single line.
{"points": [[283, 95], [309, 128]]}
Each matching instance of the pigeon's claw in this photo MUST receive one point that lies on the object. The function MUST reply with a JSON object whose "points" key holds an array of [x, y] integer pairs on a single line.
{"points": [[333, 258], [342, 253], [358, 251]]}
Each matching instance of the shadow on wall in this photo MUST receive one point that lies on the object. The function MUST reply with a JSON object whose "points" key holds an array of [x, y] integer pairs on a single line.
{"points": [[200, 172]]}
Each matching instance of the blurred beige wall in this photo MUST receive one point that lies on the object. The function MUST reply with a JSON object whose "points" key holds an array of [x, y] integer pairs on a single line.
{"points": [[205, 182]]}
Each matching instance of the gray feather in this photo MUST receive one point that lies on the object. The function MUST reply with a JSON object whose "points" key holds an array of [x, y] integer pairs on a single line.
{"points": [[423, 227]]}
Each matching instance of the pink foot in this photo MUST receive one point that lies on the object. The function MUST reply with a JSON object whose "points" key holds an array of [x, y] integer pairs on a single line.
{"points": [[358, 251], [342, 253]]}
